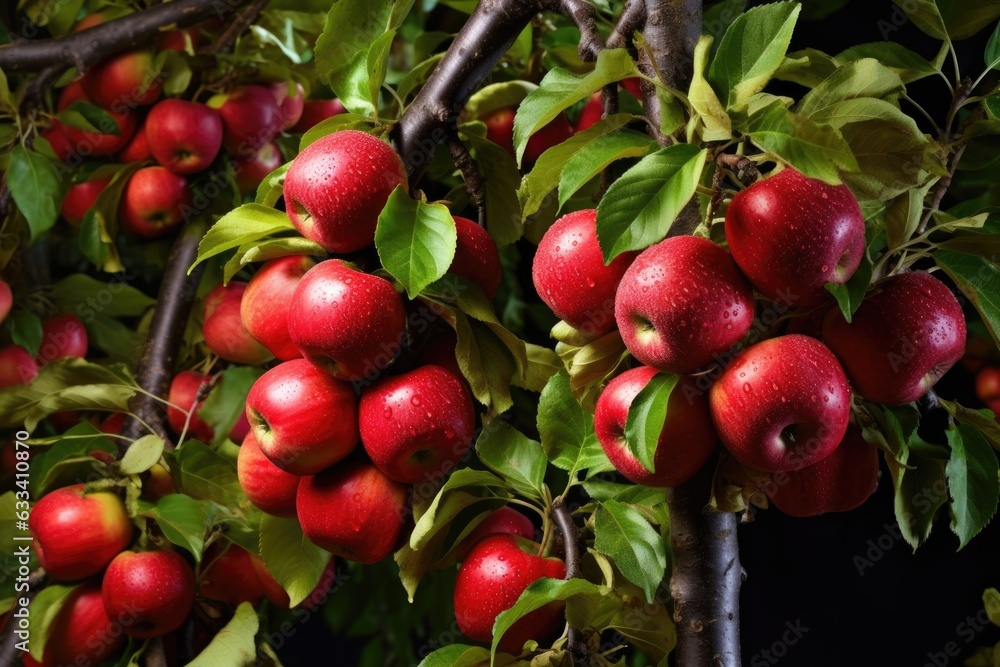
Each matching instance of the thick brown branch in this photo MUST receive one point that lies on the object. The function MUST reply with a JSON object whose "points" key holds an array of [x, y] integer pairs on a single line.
{"points": [[571, 550]]}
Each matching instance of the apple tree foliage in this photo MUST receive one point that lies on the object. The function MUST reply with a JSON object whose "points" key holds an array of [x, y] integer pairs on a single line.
{"points": [[853, 123]]}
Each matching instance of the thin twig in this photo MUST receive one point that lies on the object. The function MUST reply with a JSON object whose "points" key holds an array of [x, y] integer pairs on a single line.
{"points": [[242, 21], [571, 550], [475, 180]]}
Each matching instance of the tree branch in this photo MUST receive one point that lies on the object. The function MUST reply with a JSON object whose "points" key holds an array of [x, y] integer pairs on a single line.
{"points": [[571, 550], [475, 180], [243, 21]]}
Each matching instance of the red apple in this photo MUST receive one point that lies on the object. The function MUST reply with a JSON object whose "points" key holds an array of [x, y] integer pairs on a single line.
{"points": [[838, 483], [303, 419], [593, 112], [291, 102], [105, 142], [269, 488], [336, 189], [907, 333], [153, 202], [17, 366], [80, 198], [241, 428], [439, 350], [417, 425], [633, 86], [179, 40], [987, 384], [783, 404], [686, 441], [250, 118], [229, 575], [154, 588], [268, 300], [251, 171], [791, 235], [123, 81], [682, 304], [183, 396], [58, 141], [136, 150], [76, 534], [6, 300], [570, 275], [556, 132], [184, 136], [223, 327], [350, 323], [81, 632], [279, 597], [506, 521], [353, 511], [476, 257], [500, 128], [159, 483], [315, 112], [492, 578], [62, 336]]}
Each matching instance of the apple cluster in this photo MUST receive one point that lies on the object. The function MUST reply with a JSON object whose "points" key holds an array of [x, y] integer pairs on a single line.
{"points": [[62, 336], [780, 405]]}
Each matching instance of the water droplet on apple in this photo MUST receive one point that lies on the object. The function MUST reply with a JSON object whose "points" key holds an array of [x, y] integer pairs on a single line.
{"points": [[415, 400], [388, 412], [746, 387]]}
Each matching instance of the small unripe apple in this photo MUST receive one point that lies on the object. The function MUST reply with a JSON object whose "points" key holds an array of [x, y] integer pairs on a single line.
{"points": [[184, 136], [837, 483], [251, 171], [6, 299], [153, 202], [506, 520], [250, 118], [353, 511], [491, 579], [907, 333], [124, 81], [229, 575], [269, 488], [76, 534], [303, 419], [155, 589], [17, 366], [687, 439], [81, 632], [336, 188], [62, 336], [315, 112], [476, 257], [291, 102], [351, 324], [183, 394], [783, 404], [791, 235], [80, 198], [416, 425], [267, 302], [223, 328], [682, 304], [570, 275]]}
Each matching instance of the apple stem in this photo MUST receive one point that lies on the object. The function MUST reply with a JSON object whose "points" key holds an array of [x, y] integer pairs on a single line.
{"points": [[571, 550], [9, 655]]}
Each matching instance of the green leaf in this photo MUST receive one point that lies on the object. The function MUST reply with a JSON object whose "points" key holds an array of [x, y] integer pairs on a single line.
{"points": [[751, 51], [262, 251], [250, 223], [979, 279], [850, 294], [295, 562], [639, 208], [622, 534], [982, 420], [955, 18], [910, 66], [100, 226], [921, 489], [992, 54], [43, 612], [235, 643], [67, 456], [516, 458], [183, 520], [646, 416], [141, 455], [36, 188], [203, 473], [343, 121], [903, 216], [25, 330], [89, 118], [808, 67], [503, 210], [973, 482], [590, 160], [991, 603], [226, 402], [589, 365], [87, 297], [461, 655], [415, 240], [561, 89], [709, 122], [818, 151], [866, 78], [567, 431]]}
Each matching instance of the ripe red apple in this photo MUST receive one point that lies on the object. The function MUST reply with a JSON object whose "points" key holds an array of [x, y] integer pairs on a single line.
{"points": [[279, 597], [250, 118], [80, 198], [987, 384], [907, 333], [417, 425], [6, 299], [336, 189], [136, 150], [506, 520], [76, 534], [102, 143], [269, 488], [241, 428], [686, 441], [62, 336], [592, 112], [500, 130], [353, 511], [251, 171], [315, 112], [58, 141], [490, 580], [476, 257], [153, 588], [124, 81], [303, 419], [783, 404], [178, 40], [153, 202], [633, 86], [350, 323], [267, 301], [682, 304], [291, 102], [229, 575], [838, 483], [183, 393], [791, 235], [17, 366], [223, 327], [570, 276], [184, 136], [81, 633]]}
